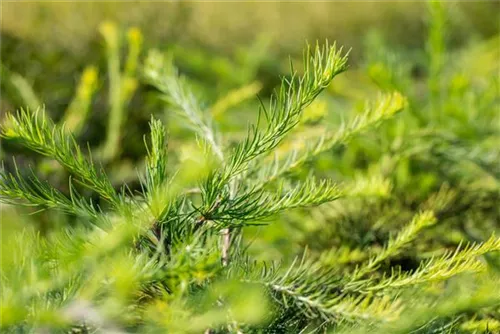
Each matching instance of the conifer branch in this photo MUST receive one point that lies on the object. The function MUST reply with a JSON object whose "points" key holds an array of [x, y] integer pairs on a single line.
{"points": [[156, 167], [462, 260], [314, 292], [397, 244], [161, 73], [38, 133], [15, 189], [423, 314], [286, 106], [156, 182], [283, 114], [257, 205], [385, 108]]}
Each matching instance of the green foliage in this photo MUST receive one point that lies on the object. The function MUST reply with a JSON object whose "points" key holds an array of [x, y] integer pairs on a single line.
{"points": [[305, 221], [39, 134]]}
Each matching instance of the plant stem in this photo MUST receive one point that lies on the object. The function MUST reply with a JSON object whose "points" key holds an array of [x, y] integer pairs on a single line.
{"points": [[226, 242]]}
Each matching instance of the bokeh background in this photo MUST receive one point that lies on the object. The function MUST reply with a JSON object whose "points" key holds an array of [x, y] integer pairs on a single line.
{"points": [[50, 42]]}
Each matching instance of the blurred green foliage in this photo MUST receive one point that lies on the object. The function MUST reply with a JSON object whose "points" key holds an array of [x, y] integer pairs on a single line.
{"points": [[407, 245]]}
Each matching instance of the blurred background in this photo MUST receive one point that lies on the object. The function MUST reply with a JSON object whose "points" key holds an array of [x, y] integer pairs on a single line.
{"points": [[49, 43]]}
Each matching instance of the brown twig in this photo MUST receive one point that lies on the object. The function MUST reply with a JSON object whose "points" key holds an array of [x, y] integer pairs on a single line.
{"points": [[226, 242]]}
